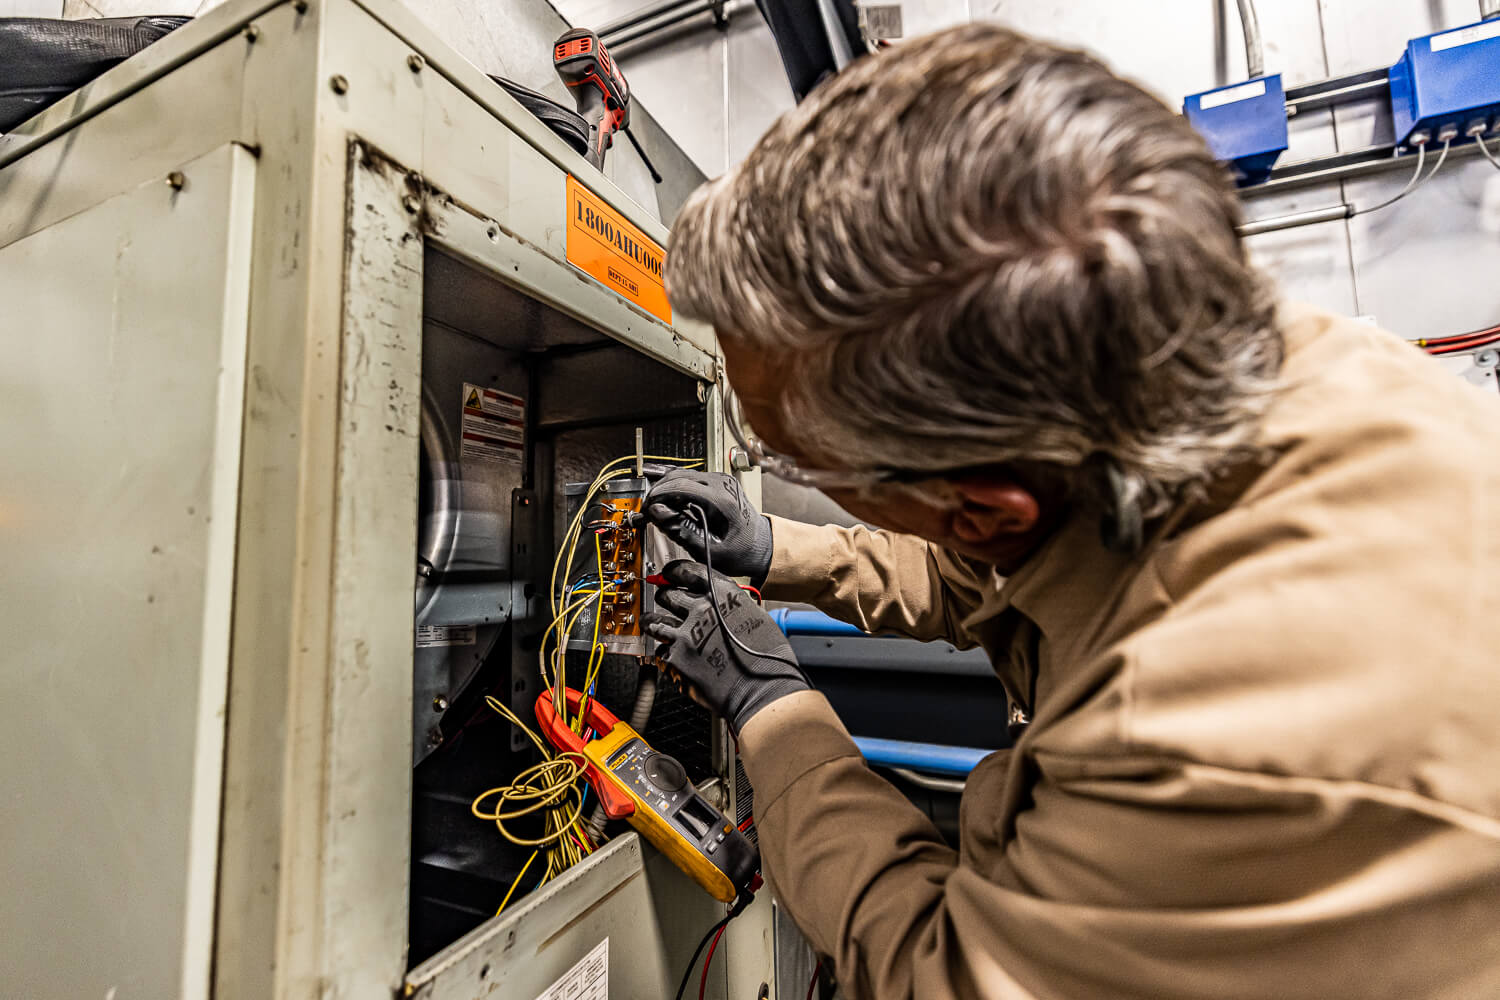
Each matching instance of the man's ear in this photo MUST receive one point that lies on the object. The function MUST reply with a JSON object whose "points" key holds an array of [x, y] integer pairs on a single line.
{"points": [[993, 508]]}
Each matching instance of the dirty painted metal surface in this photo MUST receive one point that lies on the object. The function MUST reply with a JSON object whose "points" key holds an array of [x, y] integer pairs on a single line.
{"points": [[312, 863], [472, 235], [369, 699], [122, 409], [522, 952]]}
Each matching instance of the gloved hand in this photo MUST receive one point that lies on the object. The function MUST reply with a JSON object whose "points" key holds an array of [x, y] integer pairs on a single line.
{"points": [[739, 535], [734, 681]]}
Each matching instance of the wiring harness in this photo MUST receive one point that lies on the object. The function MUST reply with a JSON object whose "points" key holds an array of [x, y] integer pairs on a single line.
{"points": [[553, 788]]}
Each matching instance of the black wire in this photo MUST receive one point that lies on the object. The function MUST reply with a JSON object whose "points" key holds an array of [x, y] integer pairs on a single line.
{"points": [[693, 962], [713, 600]]}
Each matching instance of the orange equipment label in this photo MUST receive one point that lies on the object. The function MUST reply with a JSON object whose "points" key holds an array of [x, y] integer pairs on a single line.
{"points": [[603, 245]]}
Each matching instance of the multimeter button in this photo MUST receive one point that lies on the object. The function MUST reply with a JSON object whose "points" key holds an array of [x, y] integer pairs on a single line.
{"points": [[713, 845], [665, 772], [719, 839]]}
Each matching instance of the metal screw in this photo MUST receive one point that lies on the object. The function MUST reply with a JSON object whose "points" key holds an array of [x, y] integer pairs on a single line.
{"points": [[175, 180], [434, 736], [493, 232], [411, 204], [414, 63], [251, 33], [300, 6], [439, 704], [1487, 359], [739, 460], [340, 83]]}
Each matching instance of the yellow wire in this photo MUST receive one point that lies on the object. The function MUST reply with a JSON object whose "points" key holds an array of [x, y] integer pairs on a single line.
{"points": [[568, 549], [551, 787], [511, 891], [591, 671]]}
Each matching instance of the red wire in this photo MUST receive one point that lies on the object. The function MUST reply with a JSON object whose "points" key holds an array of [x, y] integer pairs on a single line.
{"points": [[814, 984], [703, 982], [1460, 346], [1440, 341], [758, 598]]}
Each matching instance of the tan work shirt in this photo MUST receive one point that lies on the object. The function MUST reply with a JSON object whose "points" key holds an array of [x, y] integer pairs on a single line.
{"points": [[1264, 760]]}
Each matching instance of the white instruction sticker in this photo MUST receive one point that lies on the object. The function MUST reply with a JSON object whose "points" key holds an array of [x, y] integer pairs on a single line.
{"points": [[880, 21], [494, 425], [444, 635], [1232, 95], [588, 980], [1466, 36]]}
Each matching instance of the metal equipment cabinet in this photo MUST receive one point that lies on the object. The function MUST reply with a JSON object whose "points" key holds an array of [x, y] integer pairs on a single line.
{"points": [[220, 266]]}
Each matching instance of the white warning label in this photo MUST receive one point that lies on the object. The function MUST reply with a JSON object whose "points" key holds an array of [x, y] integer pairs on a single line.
{"points": [[493, 427], [444, 635], [588, 980], [1466, 36]]}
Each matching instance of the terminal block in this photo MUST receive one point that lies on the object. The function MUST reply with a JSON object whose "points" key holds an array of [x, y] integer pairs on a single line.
{"points": [[1447, 84], [1244, 125], [628, 553]]}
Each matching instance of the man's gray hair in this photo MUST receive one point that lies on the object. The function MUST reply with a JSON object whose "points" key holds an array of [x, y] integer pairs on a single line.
{"points": [[979, 248]]}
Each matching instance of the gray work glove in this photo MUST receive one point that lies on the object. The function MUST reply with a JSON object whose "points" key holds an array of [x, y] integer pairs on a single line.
{"points": [[739, 540], [731, 680]]}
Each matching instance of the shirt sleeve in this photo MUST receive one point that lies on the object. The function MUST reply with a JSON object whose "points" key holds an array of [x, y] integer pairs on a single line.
{"points": [[1135, 878], [861, 870], [880, 581]]}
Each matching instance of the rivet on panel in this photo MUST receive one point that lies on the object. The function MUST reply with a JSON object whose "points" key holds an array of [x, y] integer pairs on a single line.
{"points": [[175, 180], [251, 33], [340, 83], [414, 63], [411, 203], [493, 232], [300, 6]]}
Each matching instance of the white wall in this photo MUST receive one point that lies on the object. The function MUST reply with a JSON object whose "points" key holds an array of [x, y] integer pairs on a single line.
{"points": [[1422, 267], [509, 38]]}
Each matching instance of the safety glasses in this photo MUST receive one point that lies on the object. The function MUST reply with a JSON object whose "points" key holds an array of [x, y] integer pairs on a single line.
{"points": [[788, 469]]}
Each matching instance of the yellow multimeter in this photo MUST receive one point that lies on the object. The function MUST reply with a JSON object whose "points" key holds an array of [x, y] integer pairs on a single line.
{"points": [[652, 791]]}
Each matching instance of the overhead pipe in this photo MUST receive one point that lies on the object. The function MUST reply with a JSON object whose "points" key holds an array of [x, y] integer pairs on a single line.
{"points": [[644, 14], [649, 22]]}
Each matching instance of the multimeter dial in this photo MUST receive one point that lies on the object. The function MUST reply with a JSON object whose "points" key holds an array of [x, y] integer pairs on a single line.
{"points": [[665, 773]]}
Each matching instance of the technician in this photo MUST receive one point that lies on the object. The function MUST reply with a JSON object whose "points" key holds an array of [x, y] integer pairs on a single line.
{"points": [[1236, 562]]}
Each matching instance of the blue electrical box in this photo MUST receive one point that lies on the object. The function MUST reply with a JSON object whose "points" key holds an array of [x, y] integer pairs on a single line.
{"points": [[1245, 125], [1451, 79]]}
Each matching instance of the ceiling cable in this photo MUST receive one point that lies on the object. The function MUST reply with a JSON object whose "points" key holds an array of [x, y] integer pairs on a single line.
{"points": [[1255, 52], [1417, 180], [1344, 210], [1495, 162]]}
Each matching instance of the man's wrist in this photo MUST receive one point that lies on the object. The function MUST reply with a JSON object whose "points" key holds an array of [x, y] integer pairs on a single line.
{"points": [[758, 578], [765, 727], [766, 695]]}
